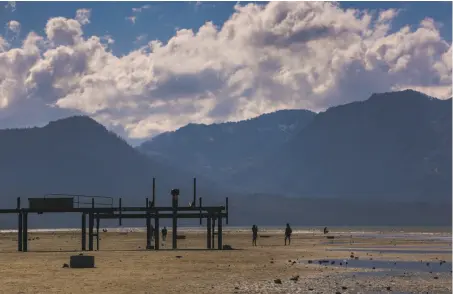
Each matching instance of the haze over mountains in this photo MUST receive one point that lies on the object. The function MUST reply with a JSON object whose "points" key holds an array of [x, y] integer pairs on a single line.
{"points": [[391, 145], [386, 160]]}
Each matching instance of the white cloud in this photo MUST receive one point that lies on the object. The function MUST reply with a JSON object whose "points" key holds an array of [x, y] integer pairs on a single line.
{"points": [[83, 16], [283, 55], [132, 19], [14, 26]]}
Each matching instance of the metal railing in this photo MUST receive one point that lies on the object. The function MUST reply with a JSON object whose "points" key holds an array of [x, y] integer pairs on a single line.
{"points": [[81, 199]]}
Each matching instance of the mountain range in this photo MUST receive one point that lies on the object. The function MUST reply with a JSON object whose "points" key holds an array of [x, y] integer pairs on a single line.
{"points": [[393, 145], [384, 160]]}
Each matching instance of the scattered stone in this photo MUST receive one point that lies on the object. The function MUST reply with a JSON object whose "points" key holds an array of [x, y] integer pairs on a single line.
{"points": [[178, 256], [374, 267], [295, 278], [344, 287], [236, 288], [272, 261], [227, 247], [436, 277], [277, 281], [80, 254], [332, 262], [310, 289], [65, 265], [356, 258], [310, 261], [388, 288], [338, 292]]}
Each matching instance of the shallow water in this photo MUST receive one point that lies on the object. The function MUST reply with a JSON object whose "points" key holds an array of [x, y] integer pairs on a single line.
{"points": [[408, 266], [400, 250]]}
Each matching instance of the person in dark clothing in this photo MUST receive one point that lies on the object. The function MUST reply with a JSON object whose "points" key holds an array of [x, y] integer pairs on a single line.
{"points": [[254, 234], [164, 234], [325, 230], [288, 232]]}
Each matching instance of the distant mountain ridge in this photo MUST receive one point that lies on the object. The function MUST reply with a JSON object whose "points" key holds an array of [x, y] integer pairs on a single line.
{"points": [[394, 145], [219, 150]]}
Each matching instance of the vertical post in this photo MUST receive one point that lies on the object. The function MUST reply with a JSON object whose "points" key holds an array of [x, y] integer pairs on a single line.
{"points": [[148, 226], [97, 231], [90, 230], [208, 235], [91, 226], [153, 204], [84, 232], [25, 232], [213, 232], [226, 210], [175, 194], [219, 233], [194, 192], [174, 230], [201, 217], [120, 213], [19, 229], [156, 231]]}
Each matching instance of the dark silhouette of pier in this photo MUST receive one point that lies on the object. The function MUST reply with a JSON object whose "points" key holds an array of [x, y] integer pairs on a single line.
{"points": [[70, 203]]}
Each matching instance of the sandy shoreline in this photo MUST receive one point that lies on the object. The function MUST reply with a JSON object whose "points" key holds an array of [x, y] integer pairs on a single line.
{"points": [[123, 266]]}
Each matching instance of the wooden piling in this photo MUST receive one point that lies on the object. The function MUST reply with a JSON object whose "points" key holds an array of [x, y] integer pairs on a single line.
{"points": [[156, 232], [208, 233], [84, 232], [213, 232], [148, 226], [19, 229], [219, 233], [97, 231], [25, 232]]}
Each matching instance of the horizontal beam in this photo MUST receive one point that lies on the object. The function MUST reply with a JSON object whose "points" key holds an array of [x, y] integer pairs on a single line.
{"points": [[161, 215], [208, 209]]}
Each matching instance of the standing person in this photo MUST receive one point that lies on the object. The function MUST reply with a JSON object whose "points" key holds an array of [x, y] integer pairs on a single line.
{"points": [[255, 234], [288, 232], [164, 234], [326, 230]]}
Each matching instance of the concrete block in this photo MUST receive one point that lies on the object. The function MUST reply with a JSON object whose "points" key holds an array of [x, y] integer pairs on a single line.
{"points": [[81, 261]]}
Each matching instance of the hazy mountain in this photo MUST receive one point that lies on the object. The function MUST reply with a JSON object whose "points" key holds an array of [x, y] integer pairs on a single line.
{"points": [[77, 155], [392, 146], [219, 150]]}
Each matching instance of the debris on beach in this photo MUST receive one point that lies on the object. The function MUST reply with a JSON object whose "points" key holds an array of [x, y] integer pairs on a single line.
{"points": [[294, 278], [178, 256], [277, 281]]}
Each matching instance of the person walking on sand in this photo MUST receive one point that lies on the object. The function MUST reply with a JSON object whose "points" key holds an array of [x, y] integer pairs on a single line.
{"points": [[288, 232], [254, 234], [164, 234]]}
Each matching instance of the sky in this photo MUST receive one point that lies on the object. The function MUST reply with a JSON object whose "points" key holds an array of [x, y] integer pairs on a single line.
{"points": [[143, 68]]}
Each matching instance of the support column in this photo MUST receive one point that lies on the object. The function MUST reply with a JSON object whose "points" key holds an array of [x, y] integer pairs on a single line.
{"points": [[156, 232], [148, 226], [174, 231], [97, 231], [208, 235], [84, 232], [25, 232], [19, 227], [90, 231], [213, 232], [219, 233]]}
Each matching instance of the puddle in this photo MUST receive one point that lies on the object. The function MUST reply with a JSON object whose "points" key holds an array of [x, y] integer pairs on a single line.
{"points": [[408, 266], [396, 250]]}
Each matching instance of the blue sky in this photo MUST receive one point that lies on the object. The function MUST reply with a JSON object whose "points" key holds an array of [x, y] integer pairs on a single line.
{"points": [[269, 56], [163, 18]]}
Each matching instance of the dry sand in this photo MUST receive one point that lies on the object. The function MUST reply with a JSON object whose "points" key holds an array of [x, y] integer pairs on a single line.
{"points": [[122, 266]]}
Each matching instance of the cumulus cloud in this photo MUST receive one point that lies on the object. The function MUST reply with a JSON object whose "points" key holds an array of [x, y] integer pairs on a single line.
{"points": [[308, 55], [83, 16], [14, 26]]}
